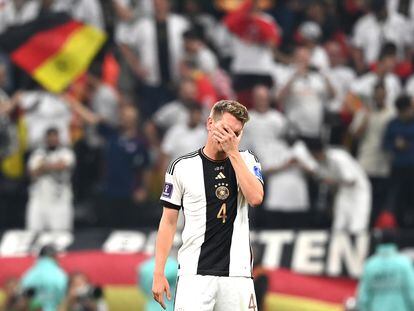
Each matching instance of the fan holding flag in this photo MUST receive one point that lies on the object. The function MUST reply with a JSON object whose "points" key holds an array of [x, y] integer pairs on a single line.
{"points": [[53, 49], [256, 35]]}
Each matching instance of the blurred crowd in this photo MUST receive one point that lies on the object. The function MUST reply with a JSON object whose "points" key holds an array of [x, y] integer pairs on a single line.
{"points": [[328, 84]]}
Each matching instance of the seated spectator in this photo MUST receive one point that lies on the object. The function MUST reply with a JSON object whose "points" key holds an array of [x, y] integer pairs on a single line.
{"points": [[303, 92], [365, 84], [47, 279], [379, 26], [127, 164], [50, 205], [184, 138], [369, 126], [352, 203], [399, 141]]}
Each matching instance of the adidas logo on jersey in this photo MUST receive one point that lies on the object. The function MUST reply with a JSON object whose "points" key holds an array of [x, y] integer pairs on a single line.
{"points": [[220, 176]]}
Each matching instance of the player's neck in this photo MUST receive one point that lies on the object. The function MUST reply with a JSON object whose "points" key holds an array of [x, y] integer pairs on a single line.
{"points": [[213, 153]]}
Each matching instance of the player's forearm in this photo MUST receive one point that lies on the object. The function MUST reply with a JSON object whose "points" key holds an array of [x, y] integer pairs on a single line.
{"points": [[250, 186], [165, 238]]}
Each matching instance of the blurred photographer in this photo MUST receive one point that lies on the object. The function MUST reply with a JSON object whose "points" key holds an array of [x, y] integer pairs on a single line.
{"points": [[83, 296], [47, 279], [17, 299]]}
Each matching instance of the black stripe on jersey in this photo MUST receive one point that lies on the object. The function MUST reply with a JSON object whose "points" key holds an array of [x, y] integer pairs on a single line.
{"points": [[214, 256], [170, 205], [171, 167], [255, 157]]}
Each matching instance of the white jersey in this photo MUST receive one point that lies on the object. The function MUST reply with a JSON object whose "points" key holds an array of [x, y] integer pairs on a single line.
{"points": [[216, 232], [54, 186]]}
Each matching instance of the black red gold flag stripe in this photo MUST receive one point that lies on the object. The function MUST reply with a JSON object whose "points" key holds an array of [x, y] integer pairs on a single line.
{"points": [[54, 49]]}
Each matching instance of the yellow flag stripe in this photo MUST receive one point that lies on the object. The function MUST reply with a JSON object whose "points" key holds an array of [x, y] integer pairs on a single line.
{"points": [[57, 72], [283, 302]]}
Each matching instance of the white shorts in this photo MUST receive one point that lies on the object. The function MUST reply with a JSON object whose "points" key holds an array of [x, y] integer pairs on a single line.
{"points": [[218, 293], [47, 216]]}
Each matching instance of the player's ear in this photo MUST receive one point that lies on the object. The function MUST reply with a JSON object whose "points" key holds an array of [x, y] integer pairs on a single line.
{"points": [[209, 123]]}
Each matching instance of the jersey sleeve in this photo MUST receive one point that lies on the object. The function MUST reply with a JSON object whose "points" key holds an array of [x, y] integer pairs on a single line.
{"points": [[254, 165], [172, 192]]}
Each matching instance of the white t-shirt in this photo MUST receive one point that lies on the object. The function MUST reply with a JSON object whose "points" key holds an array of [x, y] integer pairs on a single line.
{"points": [[10, 15], [261, 130], [319, 58], [44, 110], [364, 87], [287, 190], [88, 11], [342, 166], [206, 60], [170, 114], [409, 86], [304, 104], [142, 37], [369, 35], [250, 57], [105, 104], [371, 156], [181, 139], [51, 187], [341, 78]]}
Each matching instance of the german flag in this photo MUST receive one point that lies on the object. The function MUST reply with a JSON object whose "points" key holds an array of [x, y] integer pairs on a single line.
{"points": [[54, 49]]}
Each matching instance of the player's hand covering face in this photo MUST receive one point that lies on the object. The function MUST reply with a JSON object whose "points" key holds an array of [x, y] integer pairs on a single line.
{"points": [[227, 135]]}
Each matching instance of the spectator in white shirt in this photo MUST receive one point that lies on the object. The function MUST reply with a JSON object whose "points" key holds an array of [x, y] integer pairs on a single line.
{"points": [[369, 126], [183, 138], [364, 85], [310, 34], [341, 77], [88, 11], [409, 86], [287, 199], [255, 35], [153, 48], [303, 95], [175, 112], [376, 28], [266, 126], [43, 110], [17, 12], [352, 203], [197, 52], [50, 205]]}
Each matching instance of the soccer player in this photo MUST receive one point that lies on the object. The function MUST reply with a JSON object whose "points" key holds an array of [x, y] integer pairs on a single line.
{"points": [[214, 186]]}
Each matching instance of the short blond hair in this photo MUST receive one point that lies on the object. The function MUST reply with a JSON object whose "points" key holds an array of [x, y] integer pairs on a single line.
{"points": [[233, 107]]}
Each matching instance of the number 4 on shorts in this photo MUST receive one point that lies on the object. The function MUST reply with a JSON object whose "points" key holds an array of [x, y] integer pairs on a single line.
{"points": [[252, 303]]}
